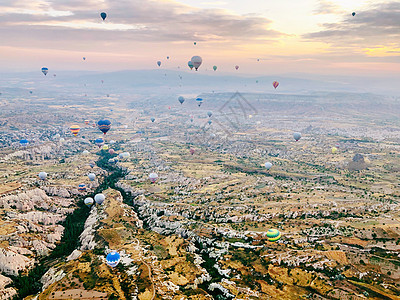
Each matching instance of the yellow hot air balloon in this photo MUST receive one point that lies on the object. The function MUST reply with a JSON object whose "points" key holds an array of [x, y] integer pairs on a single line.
{"points": [[273, 235], [105, 147], [334, 150], [75, 129]]}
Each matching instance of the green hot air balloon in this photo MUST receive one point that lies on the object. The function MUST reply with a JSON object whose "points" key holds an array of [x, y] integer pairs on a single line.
{"points": [[273, 235]]}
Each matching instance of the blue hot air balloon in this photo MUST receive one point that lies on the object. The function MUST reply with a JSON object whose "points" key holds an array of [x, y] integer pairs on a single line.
{"points": [[181, 99], [152, 119], [104, 125], [103, 15], [199, 101], [45, 70], [24, 142], [159, 63], [99, 142], [82, 187], [113, 259]]}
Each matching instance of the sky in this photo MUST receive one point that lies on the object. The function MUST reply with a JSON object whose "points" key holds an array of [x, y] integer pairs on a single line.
{"points": [[260, 36]]}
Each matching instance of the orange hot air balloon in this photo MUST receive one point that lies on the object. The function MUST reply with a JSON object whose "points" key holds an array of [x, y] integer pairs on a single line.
{"points": [[87, 122], [75, 129], [275, 84]]}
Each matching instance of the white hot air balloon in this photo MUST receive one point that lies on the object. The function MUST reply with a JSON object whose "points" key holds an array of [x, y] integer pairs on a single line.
{"points": [[196, 60], [89, 201], [268, 165], [153, 177], [42, 175], [92, 176], [99, 198]]}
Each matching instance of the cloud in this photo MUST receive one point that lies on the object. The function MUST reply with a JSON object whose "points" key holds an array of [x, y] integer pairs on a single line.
{"points": [[145, 20], [327, 7], [378, 25]]}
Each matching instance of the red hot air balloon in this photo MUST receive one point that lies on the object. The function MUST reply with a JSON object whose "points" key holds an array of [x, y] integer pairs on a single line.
{"points": [[275, 84]]}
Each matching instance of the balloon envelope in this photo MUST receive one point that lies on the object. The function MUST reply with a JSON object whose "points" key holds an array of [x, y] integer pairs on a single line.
{"points": [[273, 235], [190, 64], [209, 114], [99, 142], [103, 15], [88, 201], [159, 63], [215, 68], [297, 136], [24, 142], [45, 70], [197, 61], [82, 187], [104, 125], [92, 176], [113, 259], [153, 177], [199, 101], [99, 198], [275, 84], [181, 99], [236, 67], [353, 13], [75, 129], [42, 175], [268, 165]]}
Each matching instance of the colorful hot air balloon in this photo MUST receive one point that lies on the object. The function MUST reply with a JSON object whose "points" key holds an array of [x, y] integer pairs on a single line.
{"points": [[215, 68], [99, 198], [99, 142], [88, 201], [190, 64], [297, 136], [334, 150], [152, 119], [159, 63], [273, 235], [268, 165], [181, 99], [209, 114], [113, 259], [353, 13], [192, 150], [196, 60], [75, 129], [87, 122], [42, 175], [92, 176], [104, 125], [153, 177], [236, 67], [275, 84], [45, 70], [24, 142], [199, 101], [82, 187], [103, 15]]}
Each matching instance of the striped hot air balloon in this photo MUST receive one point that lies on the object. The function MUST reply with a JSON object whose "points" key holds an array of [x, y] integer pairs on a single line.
{"points": [[275, 84], [113, 259], [273, 235], [104, 125], [82, 187], [75, 129], [87, 122]]}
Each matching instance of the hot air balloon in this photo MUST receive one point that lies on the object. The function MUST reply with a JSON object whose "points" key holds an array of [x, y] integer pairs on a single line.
{"points": [[273, 235], [215, 68], [29, 92], [82, 187], [353, 13], [334, 150], [275, 84], [159, 63], [152, 119], [236, 67], [190, 64], [85, 152], [75, 129], [103, 15], [195, 43], [111, 161], [24, 142], [42, 175], [87, 122], [105, 147], [297, 136], [62, 140], [113, 259], [196, 60], [84, 58], [209, 122], [88, 201], [199, 101], [92, 164], [153, 177], [45, 70], [112, 142], [104, 125], [192, 150], [99, 198], [111, 151], [209, 114], [268, 165], [92, 176], [167, 57], [181, 99]]}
